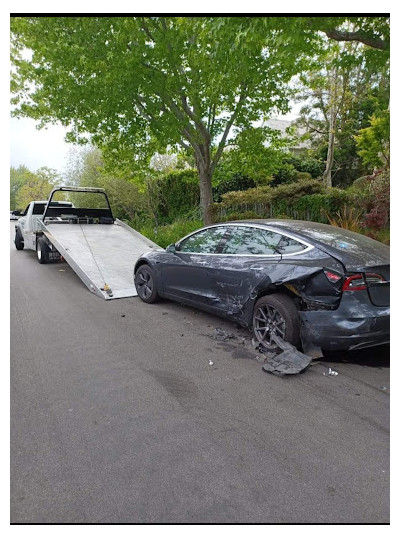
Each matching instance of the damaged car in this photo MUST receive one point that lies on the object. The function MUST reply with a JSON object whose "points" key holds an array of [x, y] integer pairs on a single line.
{"points": [[310, 284]]}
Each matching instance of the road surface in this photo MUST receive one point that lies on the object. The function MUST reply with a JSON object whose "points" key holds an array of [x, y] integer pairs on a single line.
{"points": [[123, 412]]}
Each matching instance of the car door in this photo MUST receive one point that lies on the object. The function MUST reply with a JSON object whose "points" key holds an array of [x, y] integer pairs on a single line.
{"points": [[249, 258], [185, 275]]}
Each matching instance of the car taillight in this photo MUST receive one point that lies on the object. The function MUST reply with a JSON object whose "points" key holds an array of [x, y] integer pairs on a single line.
{"points": [[359, 282], [332, 276]]}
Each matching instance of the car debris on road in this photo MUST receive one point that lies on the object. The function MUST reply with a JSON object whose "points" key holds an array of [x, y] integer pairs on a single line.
{"points": [[289, 361]]}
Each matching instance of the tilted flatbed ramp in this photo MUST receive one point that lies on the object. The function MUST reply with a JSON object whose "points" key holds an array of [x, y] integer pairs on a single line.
{"points": [[103, 256]]}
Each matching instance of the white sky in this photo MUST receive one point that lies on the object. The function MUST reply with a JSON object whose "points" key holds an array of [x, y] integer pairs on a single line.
{"points": [[37, 148], [46, 147]]}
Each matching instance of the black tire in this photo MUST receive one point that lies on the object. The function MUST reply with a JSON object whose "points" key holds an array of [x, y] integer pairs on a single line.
{"points": [[42, 251], [276, 314], [145, 284], [19, 240]]}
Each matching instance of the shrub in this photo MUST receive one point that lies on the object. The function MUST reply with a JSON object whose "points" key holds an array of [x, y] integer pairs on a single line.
{"points": [[286, 174], [178, 194], [167, 234], [237, 216], [237, 182], [348, 218], [372, 194]]}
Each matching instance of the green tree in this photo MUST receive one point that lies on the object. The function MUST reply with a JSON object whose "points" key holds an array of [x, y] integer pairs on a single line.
{"points": [[373, 142], [141, 85], [37, 186], [87, 169], [18, 177], [339, 99]]}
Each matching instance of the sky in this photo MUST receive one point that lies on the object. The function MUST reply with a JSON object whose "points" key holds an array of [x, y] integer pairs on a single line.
{"points": [[47, 147], [38, 148]]}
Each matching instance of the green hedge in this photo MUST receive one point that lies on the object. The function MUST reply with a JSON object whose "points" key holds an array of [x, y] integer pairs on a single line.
{"points": [[305, 199]]}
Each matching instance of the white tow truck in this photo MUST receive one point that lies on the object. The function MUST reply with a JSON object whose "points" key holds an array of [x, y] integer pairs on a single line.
{"points": [[100, 249]]}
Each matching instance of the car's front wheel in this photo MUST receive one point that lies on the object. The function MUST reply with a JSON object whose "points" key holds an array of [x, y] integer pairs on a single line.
{"points": [[19, 240], [145, 284], [276, 314]]}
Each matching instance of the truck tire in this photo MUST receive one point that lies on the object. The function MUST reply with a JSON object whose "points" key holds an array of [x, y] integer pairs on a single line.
{"points": [[19, 240], [42, 251]]}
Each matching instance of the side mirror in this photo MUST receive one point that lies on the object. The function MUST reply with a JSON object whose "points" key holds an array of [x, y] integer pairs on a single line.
{"points": [[171, 248]]}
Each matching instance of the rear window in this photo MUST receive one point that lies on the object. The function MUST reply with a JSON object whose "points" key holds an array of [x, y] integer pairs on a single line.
{"points": [[38, 209], [343, 240]]}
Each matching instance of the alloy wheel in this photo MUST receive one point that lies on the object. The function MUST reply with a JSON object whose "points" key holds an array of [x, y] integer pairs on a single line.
{"points": [[144, 284], [268, 322]]}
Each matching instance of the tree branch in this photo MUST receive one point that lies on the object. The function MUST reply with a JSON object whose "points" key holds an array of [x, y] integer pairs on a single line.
{"points": [[227, 129], [371, 41], [146, 29]]}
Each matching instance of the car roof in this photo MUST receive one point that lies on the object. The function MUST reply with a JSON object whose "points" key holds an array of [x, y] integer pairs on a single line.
{"points": [[352, 248]]}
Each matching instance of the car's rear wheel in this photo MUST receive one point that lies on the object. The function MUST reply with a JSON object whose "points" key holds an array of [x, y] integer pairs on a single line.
{"points": [[145, 284], [276, 314]]}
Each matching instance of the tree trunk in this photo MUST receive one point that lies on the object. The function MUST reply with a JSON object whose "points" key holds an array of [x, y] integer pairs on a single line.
{"points": [[206, 199], [327, 175]]}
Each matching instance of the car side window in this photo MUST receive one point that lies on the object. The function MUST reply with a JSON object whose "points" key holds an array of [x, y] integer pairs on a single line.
{"points": [[290, 246], [205, 241], [252, 241]]}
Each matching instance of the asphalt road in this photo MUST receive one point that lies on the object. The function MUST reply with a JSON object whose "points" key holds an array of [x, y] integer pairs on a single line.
{"points": [[117, 416]]}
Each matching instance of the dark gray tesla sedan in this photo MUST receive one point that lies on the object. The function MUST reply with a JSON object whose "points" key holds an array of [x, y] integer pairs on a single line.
{"points": [[307, 283]]}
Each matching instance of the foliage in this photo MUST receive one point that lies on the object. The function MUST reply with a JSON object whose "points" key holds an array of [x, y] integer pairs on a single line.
{"points": [[140, 85], [267, 194], [313, 166], [305, 199], [236, 182], [167, 234], [381, 234], [347, 217], [27, 186], [18, 177], [177, 194], [257, 153], [373, 141], [125, 197], [339, 98], [285, 174], [377, 202]]}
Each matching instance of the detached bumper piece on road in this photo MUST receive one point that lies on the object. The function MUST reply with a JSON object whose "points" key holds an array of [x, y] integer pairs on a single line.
{"points": [[289, 361]]}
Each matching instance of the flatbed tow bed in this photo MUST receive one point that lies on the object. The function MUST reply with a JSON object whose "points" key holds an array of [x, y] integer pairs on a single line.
{"points": [[102, 251]]}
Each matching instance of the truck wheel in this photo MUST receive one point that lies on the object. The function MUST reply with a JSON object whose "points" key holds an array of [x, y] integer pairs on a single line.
{"points": [[145, 284], [276, 314], [19, 241], [42, 251]]}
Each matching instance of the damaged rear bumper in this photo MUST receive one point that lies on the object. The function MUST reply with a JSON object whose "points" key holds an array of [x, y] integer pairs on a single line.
{"points": [[351, 326]]}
